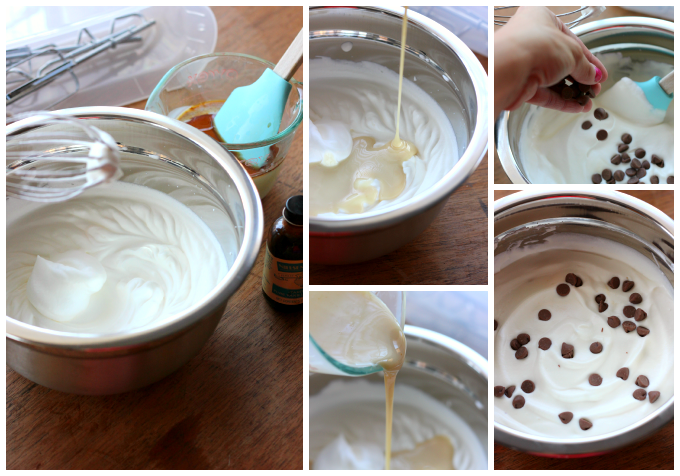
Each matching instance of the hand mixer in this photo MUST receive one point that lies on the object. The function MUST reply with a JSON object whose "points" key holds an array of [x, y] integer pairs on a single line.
{"points": [[567, 17]]}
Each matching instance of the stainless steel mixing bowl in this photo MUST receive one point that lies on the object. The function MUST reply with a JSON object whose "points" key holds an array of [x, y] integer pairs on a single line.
{"points": [[443, 368], [525, 217], [635, 37], [448, 71], [176, 159]]}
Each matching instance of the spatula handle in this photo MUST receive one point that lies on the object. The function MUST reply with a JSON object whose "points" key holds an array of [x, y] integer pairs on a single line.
{"points": [[666, 82], [291, 59]]}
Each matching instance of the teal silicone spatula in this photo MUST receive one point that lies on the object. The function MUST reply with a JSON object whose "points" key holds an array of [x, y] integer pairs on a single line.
{"points": [[659, 91], [253, 113]]}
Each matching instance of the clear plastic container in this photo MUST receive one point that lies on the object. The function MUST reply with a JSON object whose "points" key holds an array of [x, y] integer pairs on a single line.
{"points": [[666, 12], [118, 76], [470, 24]]}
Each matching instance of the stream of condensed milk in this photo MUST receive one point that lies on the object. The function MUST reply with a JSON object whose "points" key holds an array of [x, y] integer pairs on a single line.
{"points": [[397, 142], [370, 174], [357, 329]]}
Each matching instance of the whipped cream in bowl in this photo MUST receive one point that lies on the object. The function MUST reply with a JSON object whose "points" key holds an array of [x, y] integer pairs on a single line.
{"points": [[121, 285], [559, 147], [354, 84], [525, 284], [114, 259], [354, 100], [440, 411]]}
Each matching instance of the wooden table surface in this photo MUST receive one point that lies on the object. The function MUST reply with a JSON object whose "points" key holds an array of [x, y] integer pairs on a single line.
{"points": [[452, 250], [238, 404], [656, 452], [499, 174]]}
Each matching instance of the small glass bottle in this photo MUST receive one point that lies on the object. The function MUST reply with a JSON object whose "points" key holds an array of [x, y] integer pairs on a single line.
{"points": [[282, 274]]}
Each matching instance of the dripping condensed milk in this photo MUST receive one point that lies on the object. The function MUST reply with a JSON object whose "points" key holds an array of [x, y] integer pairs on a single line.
{"points": [[357, 329]]}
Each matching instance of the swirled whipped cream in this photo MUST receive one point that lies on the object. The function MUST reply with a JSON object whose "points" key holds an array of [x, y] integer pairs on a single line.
{"points": [[115, 258], [363, 97]]}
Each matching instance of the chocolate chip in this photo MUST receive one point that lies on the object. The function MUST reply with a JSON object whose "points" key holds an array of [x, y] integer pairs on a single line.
{"points": [[626, 138], [629, 311], [639, 394], [607, 174], [595, 380], [616, 159], [523, 339], [514, 344], [642, 381], [585, 424], [628, 285], [596, 178], [583, 100], [544, 343], [631, 172], [656, 159], [600, 298], [498, 391], [611, 181], [645, 164], [628, 327], [633, 180], [495, 324], [565, 417], [641, 173], [600, 114], [518, 401], [521, 353], [623, 373], [567, 351], [625, 158], [613, 322], [603, 306], [586, 125], [636, 164], [567, 93], [574, 280], [653, 396], [654, 179], [563, 289], [618, 175], [640, 315], [622, 148], [614, 283], [544, 315], [601, 134], [596, 347], [642, 331], [509, 391], [670, 180], [640, 153], [635, 298], [528, 386]]}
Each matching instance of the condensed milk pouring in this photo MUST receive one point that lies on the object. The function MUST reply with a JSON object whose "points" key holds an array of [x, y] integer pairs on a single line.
{"points": [[370, 173], [358, 330]]}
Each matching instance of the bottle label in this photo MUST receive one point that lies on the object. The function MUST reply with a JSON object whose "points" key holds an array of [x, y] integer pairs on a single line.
{"points": [[282, 279]]}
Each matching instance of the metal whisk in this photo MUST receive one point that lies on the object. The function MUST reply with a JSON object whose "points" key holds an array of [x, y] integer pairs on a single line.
{"points": [[582, 12], [52, 157]]}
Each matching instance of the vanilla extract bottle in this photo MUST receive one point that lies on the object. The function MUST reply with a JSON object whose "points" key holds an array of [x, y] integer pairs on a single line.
{"points": [[282, 273]]}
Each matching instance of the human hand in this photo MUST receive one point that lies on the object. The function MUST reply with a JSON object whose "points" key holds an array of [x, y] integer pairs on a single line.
{"points": [[535, 50]]}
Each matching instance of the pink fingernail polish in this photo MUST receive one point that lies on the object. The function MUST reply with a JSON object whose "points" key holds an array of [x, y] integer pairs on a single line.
{"points": [[598, 74]]}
